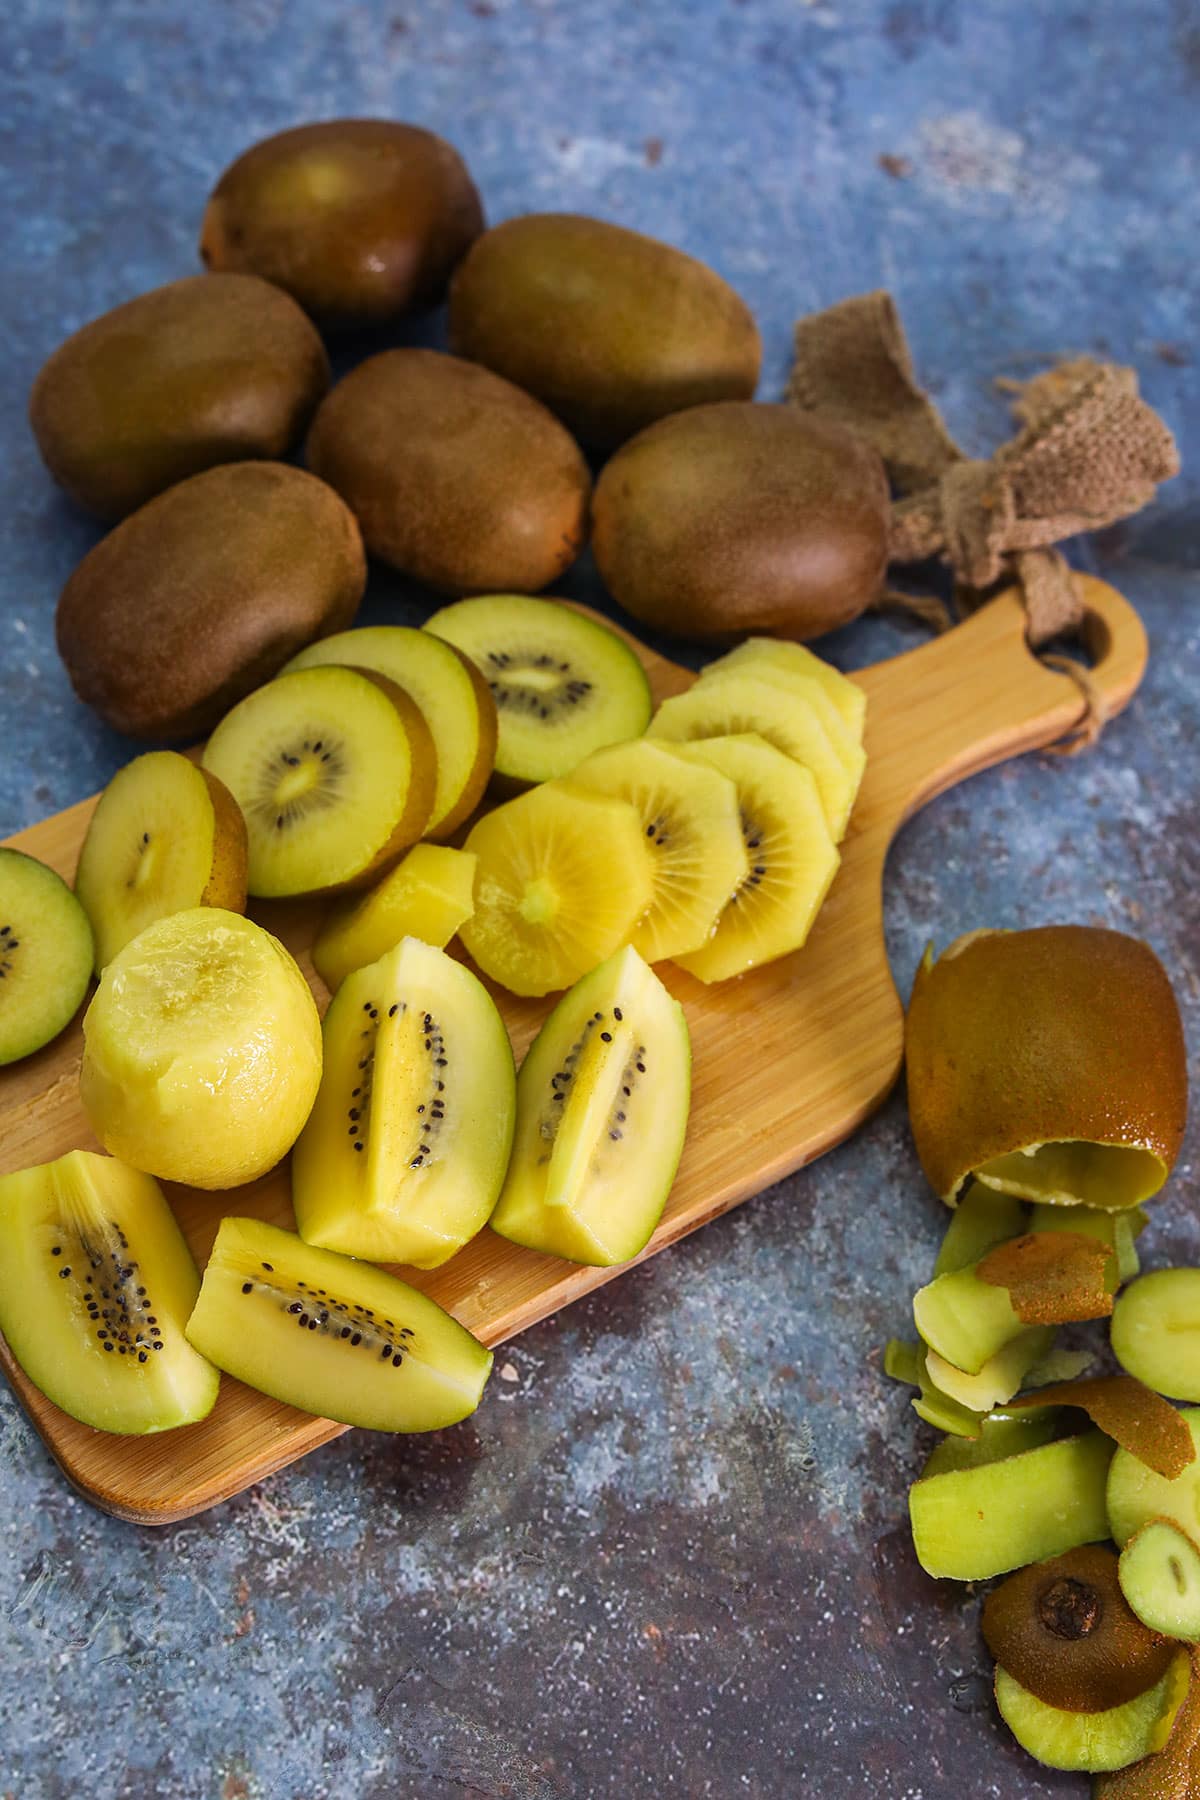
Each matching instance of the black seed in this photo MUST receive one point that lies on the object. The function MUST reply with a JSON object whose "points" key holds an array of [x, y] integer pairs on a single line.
{"points": [[247, 1287], [355, 1092], [102, 1334], [620, 1118], [157, 1346], [303, 1320], [344, 1332], [366, 1006], [295, 1307], [385, 1353], [108, 1346], [355, 1112], [141, 1356], [358, 1145], [269, 1267], [626, 1091], [312, 1324], [393, 1009], [396, 1361], [641, 1068], [63, 1273], [597, 1017], [617, 1013], [57, 1250], [606, 1037], [614, 1135], [420, 1109], [356, 1338]]}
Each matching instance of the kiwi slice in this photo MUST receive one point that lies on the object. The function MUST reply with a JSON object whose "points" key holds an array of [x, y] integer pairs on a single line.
{"points": [[403, 1154], [1001, 1434], [333, 1336], [335, 771], [1159, 1573], [731, 704], [791, 856], [451, 695], [1093, 1741], [165, 836], [692, 827], [564, 685], [602, 1108], [96, 1284], [1064, 1630], [428, 895], [1156, 1331], [563, 879], [971, 1523], [1136, 1494], [46, 955], [776, 660], [981, 1220]]}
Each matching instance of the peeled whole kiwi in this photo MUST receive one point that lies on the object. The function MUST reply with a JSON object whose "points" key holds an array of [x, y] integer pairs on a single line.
{"points": [[203, 371], [610, 329], [204, 593], [455, 476], [742, 518], [360, 220]]}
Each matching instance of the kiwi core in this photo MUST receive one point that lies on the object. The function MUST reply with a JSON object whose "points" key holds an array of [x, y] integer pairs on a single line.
{"points": [[534, 683], [539, 903]]}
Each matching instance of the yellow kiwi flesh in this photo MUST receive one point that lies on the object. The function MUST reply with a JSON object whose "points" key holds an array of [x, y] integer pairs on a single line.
{"points": [[776, 659], [428, 895]]}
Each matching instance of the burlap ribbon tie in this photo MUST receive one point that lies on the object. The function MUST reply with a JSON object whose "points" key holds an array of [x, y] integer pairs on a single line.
{"points": [[1090, 451]]}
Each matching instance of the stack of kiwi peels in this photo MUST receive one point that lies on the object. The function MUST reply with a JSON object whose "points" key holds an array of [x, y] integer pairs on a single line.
{"points": [[1047, 1092]]}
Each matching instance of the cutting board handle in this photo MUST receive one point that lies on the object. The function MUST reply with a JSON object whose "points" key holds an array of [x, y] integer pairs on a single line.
{"points": [[979, 695]]}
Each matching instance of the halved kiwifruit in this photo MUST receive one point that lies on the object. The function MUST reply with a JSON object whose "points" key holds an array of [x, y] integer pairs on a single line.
{"points": [[1095, 1742], [165, 836], [451, 695], [1065, 1631], [564, 685], [335, 772], [46, 954]]}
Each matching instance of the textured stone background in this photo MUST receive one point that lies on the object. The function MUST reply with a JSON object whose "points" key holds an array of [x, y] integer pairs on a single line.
{"points": [[670, 1553]]}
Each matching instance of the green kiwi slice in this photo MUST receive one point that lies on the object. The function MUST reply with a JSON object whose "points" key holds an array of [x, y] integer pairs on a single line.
{"points": [[333, 1336], [1159, 1572], [1156, 1331], [1094, 1742], [564, 685], [1137, 1493], [405, 1150], [96, 1283], [46, 954]]}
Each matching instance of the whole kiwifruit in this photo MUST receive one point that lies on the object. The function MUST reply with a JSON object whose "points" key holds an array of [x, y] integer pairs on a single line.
{"points": [[609, 328], [455, 476], [1065, 1631], [204, 593], [200, 372], [360, 220], [742, 518]]}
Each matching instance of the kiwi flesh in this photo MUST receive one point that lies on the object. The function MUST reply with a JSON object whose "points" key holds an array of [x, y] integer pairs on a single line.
{"points": [[692, 826], [1094, 1742], [776, 658], [165, 836], [449, 692], [791, 856], [1118, 1230], [96, 1284], [734, 703], [1137, 1494], [966, 1320], [602, 1109], [563, 879], [335, 772], [1001, 1434], [1156, 1332], [406, 1147], [332, 1336], [428, 895], [564, 685], [46, 954], [1000, 1377], [981, 1220], [1159, 1573]]}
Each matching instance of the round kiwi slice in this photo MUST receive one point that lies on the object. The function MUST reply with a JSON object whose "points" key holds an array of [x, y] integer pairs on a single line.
{"points": [[1065, 1631], [563, 684], [45, 954], [165, 836], [1160, 1578], [452, 696], [335, 772]]}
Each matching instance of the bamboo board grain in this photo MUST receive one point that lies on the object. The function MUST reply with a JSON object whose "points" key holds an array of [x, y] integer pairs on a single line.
{"points": [[788, 1059]]}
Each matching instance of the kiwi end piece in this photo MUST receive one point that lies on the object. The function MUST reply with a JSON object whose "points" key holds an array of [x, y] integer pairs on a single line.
{"points": [[46, 954], [1095, 1742]]}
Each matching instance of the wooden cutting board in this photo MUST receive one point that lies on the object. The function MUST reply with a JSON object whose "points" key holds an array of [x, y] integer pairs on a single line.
{"points": [[788, 1060]]}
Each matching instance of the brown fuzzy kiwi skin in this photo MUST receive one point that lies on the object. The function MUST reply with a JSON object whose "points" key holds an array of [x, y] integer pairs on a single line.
{"points": [[204, 593], [1077, 1669], [485, 755], [226, 884], [190, 375], [743, 518]]}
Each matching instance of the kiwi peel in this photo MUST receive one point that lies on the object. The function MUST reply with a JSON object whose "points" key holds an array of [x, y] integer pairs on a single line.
{"points": [[46, 954], [1133, 1415]]}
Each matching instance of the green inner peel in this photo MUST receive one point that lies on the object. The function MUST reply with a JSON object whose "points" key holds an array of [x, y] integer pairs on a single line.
{"points": [[1073, 1172]]}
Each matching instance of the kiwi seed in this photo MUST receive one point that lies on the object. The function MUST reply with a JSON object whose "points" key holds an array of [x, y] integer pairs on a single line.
{"points": [[511, 694]]}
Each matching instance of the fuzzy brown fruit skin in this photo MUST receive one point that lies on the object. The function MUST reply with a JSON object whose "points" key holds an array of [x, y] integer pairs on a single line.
{"points": [[190, 375], [610, 329], [226, 884], [1066, 1033], [204, 593], [360, 220], [742, 518], [455, 476]]}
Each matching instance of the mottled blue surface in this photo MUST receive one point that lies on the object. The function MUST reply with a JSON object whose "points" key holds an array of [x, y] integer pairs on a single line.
{"points": [[669, 1555]]}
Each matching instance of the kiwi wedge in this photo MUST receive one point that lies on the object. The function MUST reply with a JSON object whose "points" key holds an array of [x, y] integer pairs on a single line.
{"points": [[1156, 1332], [972, 1523], [791, 856], [406, 1147], [692, 827], [335, 772], [451, 696], [1064, 1630], [165, 836], [1136, 1494], [96, 1284], [428, 895], [332, 1336], [602, 1109], [563, 879], [564, 685], [775, 658], [46, 954], [734, 703], [1093, 1741]]}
